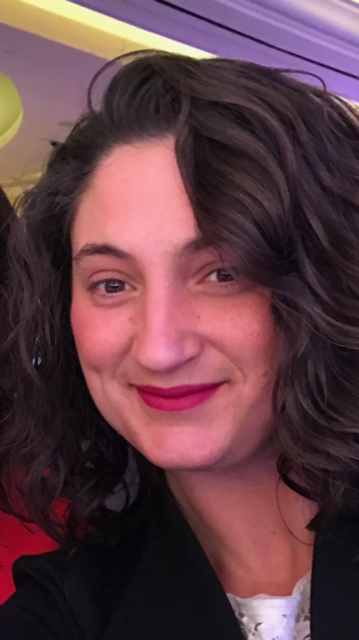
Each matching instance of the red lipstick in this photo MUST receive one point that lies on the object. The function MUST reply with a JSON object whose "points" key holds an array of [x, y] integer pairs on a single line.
{"points": [[180, 398]]}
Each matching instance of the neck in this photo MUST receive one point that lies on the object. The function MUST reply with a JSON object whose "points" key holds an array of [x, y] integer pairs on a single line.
{"points": [[251, 526]]}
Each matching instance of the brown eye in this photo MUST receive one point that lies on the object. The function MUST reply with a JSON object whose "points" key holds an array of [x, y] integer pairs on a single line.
{"points": [[110, 286], [221, 275]]}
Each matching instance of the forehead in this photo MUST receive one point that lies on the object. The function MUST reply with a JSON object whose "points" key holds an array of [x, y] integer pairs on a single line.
{"points": [[136, 197]]}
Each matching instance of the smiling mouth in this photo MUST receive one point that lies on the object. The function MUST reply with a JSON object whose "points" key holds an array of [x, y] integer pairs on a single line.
{"points": [[177, 398]]}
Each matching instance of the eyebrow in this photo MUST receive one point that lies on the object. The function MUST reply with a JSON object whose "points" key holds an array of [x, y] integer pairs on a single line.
{"points": [[93, 249]]}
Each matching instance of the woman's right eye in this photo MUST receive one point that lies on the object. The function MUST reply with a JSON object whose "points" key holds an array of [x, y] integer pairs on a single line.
{"points": [[109, 286]]}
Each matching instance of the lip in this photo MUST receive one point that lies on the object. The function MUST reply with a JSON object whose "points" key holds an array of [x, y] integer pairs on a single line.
{"points": [[178, 398]]}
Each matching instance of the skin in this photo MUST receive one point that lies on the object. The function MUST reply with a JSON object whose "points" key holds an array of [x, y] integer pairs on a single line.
{"points": [[150, 307]]}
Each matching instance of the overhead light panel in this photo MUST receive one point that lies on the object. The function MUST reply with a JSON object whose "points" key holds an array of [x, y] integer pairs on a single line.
{"points": [[65, 22]]}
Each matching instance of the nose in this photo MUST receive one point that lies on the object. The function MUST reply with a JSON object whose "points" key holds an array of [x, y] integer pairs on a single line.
{"points": [[166, 335]]}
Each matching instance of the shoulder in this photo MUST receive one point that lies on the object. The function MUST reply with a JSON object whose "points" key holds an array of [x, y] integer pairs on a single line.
{"points": [[17, 540], [70, 593], [47, 568], [39, 609]]}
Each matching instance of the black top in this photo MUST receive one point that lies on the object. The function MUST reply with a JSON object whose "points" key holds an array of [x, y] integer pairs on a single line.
{"points": [[155, 583]]}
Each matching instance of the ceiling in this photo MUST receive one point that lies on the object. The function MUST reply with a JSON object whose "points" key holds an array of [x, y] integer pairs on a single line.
{"points": [[51, 58], [52, 48], [318, 37], [51, 79]]}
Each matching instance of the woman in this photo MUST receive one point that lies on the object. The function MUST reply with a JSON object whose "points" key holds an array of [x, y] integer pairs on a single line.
{"points": [[16, 538], [189, 282]]}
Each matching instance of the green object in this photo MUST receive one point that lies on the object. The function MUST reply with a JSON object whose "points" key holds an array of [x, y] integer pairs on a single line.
{"points": [[10, 110]]}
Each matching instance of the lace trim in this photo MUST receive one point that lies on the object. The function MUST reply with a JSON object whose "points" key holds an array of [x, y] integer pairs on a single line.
{"points": [[275, 617]]}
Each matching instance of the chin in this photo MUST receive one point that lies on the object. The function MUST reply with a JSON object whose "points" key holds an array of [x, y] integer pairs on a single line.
{"points": [[183, 455]]}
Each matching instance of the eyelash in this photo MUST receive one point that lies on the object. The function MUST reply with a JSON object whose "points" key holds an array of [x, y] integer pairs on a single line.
{"points": [[95, 286], [226, 271]]}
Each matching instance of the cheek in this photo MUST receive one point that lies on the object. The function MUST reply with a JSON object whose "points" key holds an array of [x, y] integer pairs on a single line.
{"points": [[99, 340], [262, 345], [249, 336]]}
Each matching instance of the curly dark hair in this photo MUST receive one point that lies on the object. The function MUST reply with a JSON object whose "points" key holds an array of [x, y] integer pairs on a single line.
{"points": [[6, 212], [7, 218], [271, 167]]}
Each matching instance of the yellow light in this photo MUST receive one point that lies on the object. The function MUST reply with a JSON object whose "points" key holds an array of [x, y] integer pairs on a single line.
{"points": [[10, 110], [106, 25]]}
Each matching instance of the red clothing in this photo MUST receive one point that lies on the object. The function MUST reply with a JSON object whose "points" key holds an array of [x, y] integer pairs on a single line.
{"points": [[18, 540]]}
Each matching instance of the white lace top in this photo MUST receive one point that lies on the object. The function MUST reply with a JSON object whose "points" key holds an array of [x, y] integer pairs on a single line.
{"points": [[275, 617]]}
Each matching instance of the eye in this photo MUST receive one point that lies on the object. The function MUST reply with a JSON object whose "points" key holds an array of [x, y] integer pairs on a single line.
{"points": [[109, 286], [221, 275]]}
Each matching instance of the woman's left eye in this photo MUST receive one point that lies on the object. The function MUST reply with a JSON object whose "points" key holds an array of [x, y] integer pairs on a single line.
{"points": [[221, 275]]}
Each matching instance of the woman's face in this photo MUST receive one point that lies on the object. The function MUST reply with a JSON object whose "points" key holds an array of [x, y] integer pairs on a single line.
{"points": [[178, 353]]}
